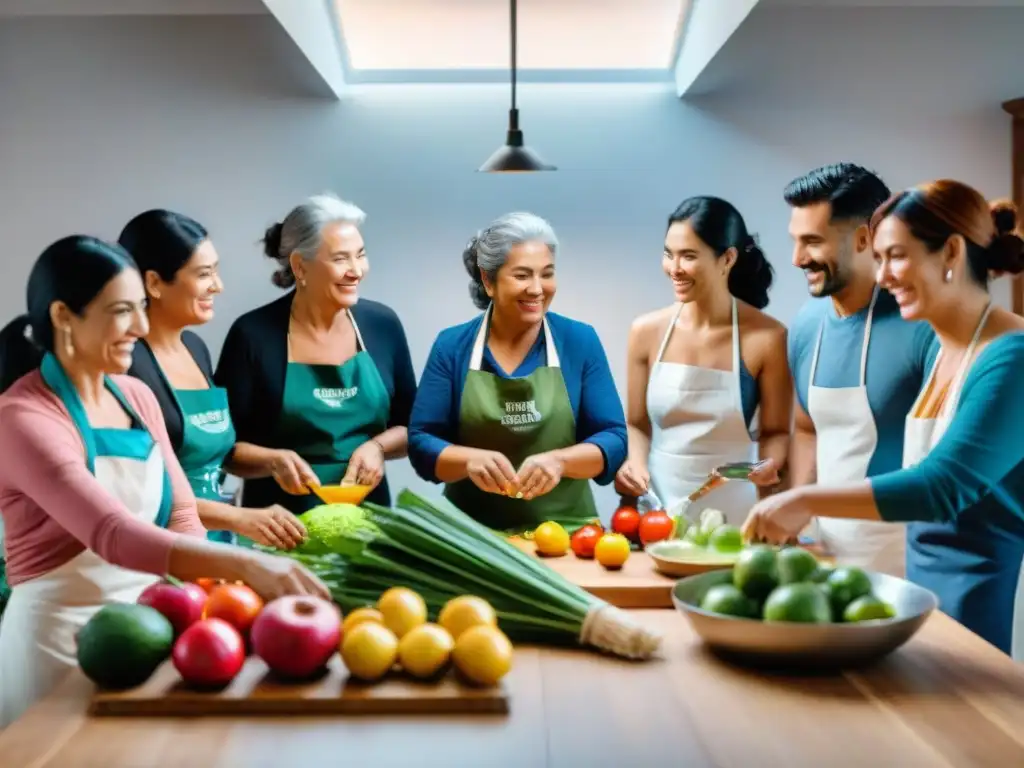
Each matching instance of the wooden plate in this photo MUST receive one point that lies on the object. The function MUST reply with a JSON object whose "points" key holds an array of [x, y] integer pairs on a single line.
{"points": [[672, 560]]}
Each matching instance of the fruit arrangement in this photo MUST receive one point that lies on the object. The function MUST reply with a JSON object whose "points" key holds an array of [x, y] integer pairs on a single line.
{"points": [[209, 636], [589, 542], [707, 540], [791, 585]]}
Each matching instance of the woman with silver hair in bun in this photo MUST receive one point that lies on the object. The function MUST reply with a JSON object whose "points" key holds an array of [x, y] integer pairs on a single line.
{"points": [[517, 409]]}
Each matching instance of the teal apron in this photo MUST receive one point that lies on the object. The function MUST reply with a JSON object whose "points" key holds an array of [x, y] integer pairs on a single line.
{"points": [[328, 411], [519, 418]]}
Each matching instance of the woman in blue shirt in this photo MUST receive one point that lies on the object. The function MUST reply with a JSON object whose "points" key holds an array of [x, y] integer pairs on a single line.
{"points": [[961, 488], [517, 409]]}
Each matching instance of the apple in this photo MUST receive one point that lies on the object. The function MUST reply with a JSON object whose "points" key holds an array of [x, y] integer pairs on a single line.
{"points": [[181, 603], [297, 635], [626, 521], [209, 653]]}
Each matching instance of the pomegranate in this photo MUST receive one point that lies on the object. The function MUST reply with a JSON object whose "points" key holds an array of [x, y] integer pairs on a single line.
{"points": [[296, 636], [626, 521], [209, 653], [181, 603]]}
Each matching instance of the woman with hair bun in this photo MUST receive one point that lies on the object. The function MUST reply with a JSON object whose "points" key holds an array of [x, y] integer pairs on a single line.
{"points": [[320, 376], [961, 489], [517, 410], [708, 381]]}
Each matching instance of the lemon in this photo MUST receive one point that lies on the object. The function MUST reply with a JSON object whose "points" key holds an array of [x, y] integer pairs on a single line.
{"points": [[425, 650], [359, 615], [612, 550], [462, 613], [483, 654], [551, 539], [402, 610], [369, 650]]}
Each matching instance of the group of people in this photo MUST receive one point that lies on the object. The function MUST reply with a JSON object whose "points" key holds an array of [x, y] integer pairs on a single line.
{"points": [[889, 401]]}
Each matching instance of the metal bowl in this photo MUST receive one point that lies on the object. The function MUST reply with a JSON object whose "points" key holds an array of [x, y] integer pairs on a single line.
{"points": [[805, 647]]}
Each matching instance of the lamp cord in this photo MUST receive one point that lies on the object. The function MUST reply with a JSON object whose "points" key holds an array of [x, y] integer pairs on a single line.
{"points": [[512, 14]]}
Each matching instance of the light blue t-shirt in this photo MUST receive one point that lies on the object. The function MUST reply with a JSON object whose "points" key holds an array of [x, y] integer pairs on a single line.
{"points": [[900, 356]]}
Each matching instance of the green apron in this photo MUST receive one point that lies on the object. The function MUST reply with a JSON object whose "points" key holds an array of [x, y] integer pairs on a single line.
{"points": [[519, 417], [328, 411]]}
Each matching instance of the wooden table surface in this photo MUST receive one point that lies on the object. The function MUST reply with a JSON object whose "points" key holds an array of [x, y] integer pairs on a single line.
{"points": [[944, 699]]}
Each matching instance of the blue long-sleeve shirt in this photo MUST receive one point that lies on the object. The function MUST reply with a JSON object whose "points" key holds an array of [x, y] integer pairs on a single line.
{"points": [[975, 473], [434, 422]]}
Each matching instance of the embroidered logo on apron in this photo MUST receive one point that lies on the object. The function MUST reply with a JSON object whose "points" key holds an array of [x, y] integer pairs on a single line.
{"points": [[520, 414], [334, 398], [212, 422]]}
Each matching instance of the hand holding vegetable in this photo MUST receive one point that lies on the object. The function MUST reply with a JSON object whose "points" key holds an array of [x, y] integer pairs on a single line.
{"points": [[366, 467], [539, 474], [272, 526], [292, 473], [778, 519], [492, 472], [632, 479]]}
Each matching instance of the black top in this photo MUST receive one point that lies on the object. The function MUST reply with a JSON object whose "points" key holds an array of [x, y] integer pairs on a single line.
{"points": [[146, 368], [254, 361]]}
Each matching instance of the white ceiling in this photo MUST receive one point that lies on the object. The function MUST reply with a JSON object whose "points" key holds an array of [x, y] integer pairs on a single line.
{"points": [[130, 7]]}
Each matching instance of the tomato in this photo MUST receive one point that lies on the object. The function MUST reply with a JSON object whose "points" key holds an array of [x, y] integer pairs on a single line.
{"points": [[236, 604], [656, 525], [209, 584], [626, 521], [612, 550], [585, 539]]}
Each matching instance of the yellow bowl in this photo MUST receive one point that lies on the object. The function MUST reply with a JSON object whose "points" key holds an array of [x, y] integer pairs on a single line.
{"points": [[341, 494]]}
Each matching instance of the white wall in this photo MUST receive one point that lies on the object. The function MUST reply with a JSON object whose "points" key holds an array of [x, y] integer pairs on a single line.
{"points": [[221, 118]]}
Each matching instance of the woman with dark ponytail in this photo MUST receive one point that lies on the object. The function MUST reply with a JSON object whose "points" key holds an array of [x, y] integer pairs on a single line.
{"points": [[698, 397], [95, 505], [961, 489]]}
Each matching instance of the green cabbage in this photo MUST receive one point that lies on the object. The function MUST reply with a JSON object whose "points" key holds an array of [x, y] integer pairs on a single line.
{"points": [[341, 529]]}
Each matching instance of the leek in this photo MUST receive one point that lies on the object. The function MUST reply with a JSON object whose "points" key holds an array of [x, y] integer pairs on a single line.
{"points": [[433, 548]]}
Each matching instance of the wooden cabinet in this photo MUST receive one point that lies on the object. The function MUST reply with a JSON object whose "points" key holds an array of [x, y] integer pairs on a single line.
{"points": [[1016, 110]]}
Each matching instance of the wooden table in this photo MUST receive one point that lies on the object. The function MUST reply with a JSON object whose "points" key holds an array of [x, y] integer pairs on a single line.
{"points": [[945, 699]]}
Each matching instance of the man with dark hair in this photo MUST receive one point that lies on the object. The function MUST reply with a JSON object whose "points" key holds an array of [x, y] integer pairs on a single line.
{"points": [[857, 364]]}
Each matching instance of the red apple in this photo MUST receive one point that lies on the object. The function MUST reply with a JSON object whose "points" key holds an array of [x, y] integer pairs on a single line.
{"points": [[656, 525], [209, 653], [296, 636], [181, 603], [626, 521]]}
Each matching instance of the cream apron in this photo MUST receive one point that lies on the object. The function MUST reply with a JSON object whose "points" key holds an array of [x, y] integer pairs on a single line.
{"points": [[37, 632], [697, 424], [846, 441]]}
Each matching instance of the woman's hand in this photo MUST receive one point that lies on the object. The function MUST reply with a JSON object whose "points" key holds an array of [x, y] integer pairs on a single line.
{"points": [[292, 473], [492, 472], [366, 467], [632, 479], [765, 473], [273, 576], [272, 526], [540, 474], [778, 519]]}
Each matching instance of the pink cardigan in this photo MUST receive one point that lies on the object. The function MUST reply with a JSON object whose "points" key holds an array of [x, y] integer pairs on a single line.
{"points": [[53, 507]]}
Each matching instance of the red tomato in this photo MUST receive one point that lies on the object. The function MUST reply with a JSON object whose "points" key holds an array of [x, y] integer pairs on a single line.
{"points": [[626, 521], [656, 525], [585, 539], [236, 604]]}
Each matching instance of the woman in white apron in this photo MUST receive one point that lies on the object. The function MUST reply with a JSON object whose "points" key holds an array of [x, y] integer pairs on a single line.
{"points": [[708, 379], [962, 486], [93, 500]]}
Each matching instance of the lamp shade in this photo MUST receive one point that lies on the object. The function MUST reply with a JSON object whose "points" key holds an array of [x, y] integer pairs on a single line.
{"points": [[514, 157]]}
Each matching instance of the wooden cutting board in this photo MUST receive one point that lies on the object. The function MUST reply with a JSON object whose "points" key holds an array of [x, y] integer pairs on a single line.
{"points": [[255, 692]]}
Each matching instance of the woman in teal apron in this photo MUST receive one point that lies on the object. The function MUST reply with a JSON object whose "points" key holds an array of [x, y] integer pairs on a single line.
{"points": [[180, 268], [517, 410], [320, 376]]}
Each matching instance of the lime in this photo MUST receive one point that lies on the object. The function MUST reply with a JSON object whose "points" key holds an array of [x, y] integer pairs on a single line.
{"points": [[796, 565], [728, 600], [756, 571], [726, 538], [804, 603], [696, 536], [821, 575], [868, 608], [844, 585]]}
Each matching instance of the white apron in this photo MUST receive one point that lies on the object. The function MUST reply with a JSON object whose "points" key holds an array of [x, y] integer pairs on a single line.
{"points": [[846, 441], [933, 561], [697, 424], [37, 632]]}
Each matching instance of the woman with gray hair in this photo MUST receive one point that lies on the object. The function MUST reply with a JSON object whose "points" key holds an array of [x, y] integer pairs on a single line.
{"points": [[321, 378], [517, 409]]}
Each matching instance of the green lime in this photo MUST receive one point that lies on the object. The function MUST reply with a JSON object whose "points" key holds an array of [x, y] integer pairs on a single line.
{"points": [[728, 600], [726, 538], [868, 608], [821, 575], [805, 603], [844, 585], [696, 536], [796, 565], [756, 571], [123, 644]]}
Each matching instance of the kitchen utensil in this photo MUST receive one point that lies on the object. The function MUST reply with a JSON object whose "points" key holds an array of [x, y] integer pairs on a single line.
{"points": [[739, 470], [341, 494], [805, 647]]}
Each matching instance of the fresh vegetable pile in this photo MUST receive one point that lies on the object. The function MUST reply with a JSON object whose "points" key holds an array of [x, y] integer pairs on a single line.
{"points": [[437, 551], [791, 585]]}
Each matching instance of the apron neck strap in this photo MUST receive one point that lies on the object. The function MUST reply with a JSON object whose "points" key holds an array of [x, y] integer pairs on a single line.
{"points": [[359, 337], [668, 332], [477, 356], [954, 394], [863, 349]]}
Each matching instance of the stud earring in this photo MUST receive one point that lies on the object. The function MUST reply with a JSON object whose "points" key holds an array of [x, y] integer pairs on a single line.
{"points": [[949, 275]]}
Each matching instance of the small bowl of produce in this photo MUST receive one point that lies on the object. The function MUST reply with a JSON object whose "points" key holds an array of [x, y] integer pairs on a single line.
{"points": [[707, 544], [341, 494], [784, 608]]}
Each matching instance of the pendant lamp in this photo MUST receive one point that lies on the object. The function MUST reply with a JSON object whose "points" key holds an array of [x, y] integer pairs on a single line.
{"points": [[514, 157]]}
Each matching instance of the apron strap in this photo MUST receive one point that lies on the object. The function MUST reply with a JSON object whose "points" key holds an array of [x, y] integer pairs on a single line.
{"points": [[477, 356], [863, 350], [949, 407], [736, 358], [668, 332], [359, 336]]}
